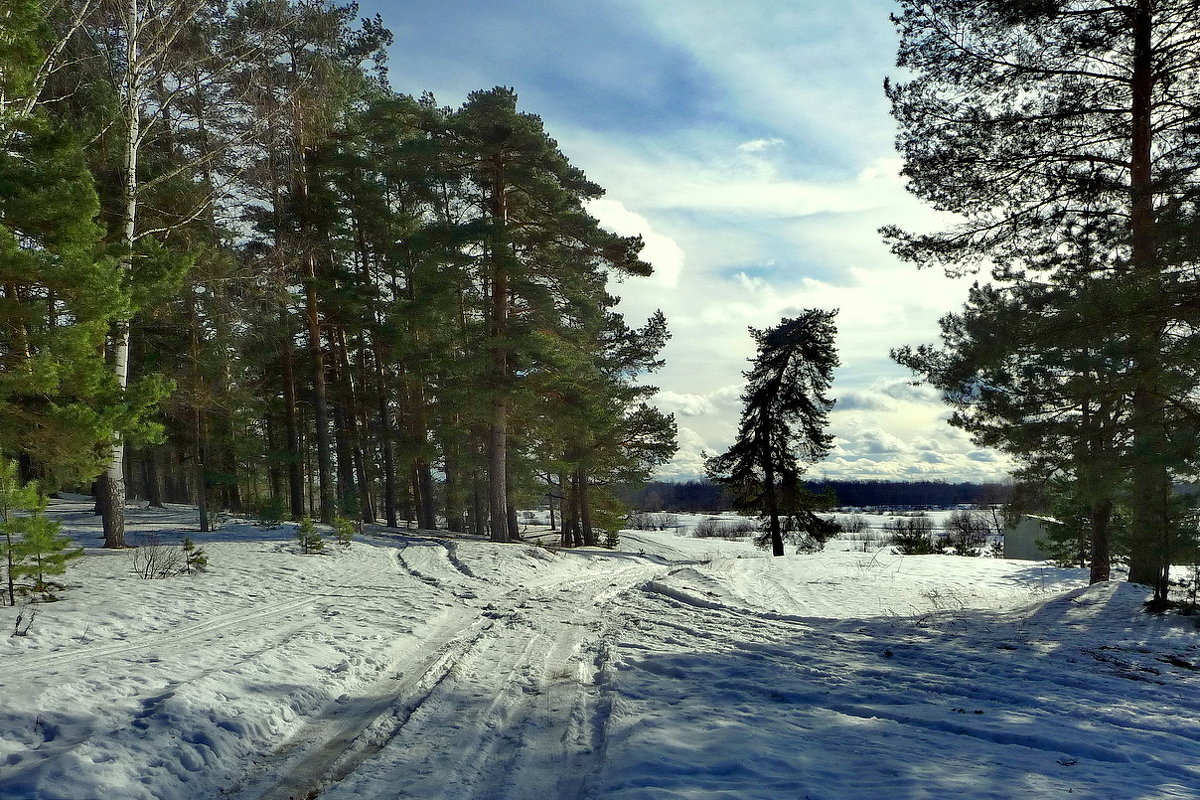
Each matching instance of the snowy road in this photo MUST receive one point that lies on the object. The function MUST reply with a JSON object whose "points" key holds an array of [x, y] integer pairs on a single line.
{"points": [[438, 667], [499, 703]]}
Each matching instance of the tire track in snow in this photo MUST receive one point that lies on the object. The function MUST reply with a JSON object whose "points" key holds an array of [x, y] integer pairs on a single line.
{"points": [[330, 746], [515, 686], [242, 618]]}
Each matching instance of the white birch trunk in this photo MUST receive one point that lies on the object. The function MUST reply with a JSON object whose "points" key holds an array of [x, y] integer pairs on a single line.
{"points": [[112, 483]]}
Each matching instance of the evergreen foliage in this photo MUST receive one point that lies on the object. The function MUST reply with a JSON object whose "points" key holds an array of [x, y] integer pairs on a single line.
{"points": [[271, 281], [343, 531], [782, 426], [309, 538], [194, 558], [1060, 135], [913, 535], [272, 513], [58, 291], [32, 549]]}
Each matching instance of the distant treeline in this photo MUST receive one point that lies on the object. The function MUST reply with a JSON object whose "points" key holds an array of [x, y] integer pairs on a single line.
{"points": [[706, 496]]}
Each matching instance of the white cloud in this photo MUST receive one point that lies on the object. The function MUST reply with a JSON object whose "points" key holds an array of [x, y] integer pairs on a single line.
{"points": [[862, 401], [684, 405], [688, 462], [662, 252], [759, 145], [767, 226]]}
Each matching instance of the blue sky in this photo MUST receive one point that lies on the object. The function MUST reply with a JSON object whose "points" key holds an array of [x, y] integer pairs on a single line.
{"points": [[750, 144]]}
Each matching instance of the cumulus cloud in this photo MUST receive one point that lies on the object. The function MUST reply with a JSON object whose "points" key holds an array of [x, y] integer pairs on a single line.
{"points": [[688, 463], [876, 442], [863, 401], [722, 400], [750, 146], [684, 405], [911, 391], [660, 251]]}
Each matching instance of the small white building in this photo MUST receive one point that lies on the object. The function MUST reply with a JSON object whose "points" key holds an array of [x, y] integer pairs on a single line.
{"points": [[1020, 542]]}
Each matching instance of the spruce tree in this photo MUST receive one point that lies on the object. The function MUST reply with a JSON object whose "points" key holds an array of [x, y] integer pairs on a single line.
{"points": [[782, 426]]}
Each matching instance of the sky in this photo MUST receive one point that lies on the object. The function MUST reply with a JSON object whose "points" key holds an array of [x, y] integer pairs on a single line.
{"points": [[750, 145]]}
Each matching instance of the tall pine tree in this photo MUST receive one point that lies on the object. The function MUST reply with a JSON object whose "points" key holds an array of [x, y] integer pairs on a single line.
{"points": [[783, 426]]}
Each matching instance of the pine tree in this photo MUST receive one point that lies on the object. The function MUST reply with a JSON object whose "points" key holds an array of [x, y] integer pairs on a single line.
{"points": [[42, 552], [14, 497], [194, 558], [783, 425], [1062, 133], [1035, 370], [57, 291], [32, 548], [309, 537]]}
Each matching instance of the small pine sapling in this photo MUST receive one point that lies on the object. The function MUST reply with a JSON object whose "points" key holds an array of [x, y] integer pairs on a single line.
{"points": [[33, 548], [343, 531], [309, 537], [272, 513], [43, 552], [13, 496], [913, 536], [194, 558]]}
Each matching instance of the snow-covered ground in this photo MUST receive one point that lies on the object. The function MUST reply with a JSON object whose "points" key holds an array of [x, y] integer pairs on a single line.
{"points": [[412, 666]]}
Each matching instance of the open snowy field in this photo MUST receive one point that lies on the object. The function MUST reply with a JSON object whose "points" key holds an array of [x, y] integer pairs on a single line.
{"points": [[412, 666]]}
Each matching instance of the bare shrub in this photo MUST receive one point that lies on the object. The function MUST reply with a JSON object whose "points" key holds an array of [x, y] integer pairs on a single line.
{"points": [[717, 528], [665, 521], [854, 523], [641, 521], [652, 521], [967, 532], [153, 559]]}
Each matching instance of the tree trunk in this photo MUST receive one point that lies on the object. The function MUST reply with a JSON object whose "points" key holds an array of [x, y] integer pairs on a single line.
{"points": [[274, 474], [347, 495], [389, 465], [510, 502], [291, 420], [152, 476], [452, 485], [200, 459], [229, 466], [320, 400], [199, 445], [498, 434], [385, 423], [585, 510], [1100, 517], [478, 522], [423, 486], [1149, 561], [772, 506]]}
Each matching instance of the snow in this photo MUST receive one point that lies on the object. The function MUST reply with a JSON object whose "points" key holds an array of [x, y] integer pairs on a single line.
{"points": [[438, 666]]}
